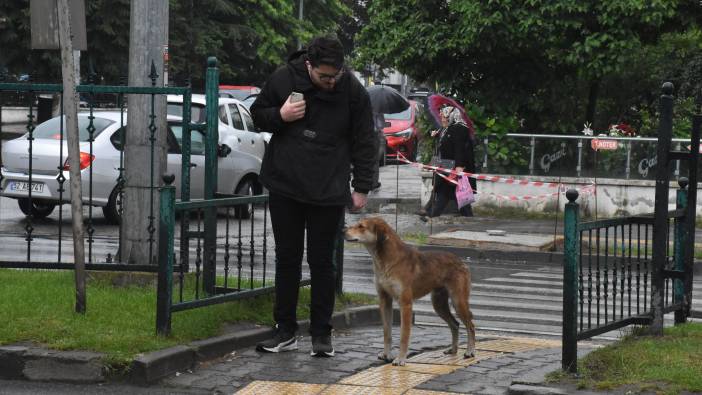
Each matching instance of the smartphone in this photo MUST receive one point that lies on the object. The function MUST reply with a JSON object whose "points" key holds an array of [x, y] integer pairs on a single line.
{"points": [[296, 97]]}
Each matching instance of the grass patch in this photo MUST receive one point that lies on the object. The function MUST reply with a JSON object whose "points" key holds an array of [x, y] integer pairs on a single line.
{"points": [[419, 238], [38, 306], [670, 364]]}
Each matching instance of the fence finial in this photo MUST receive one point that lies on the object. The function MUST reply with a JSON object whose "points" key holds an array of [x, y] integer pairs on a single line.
{"points": [[153, 75], [168, 178], [683, 182], [668, 88], [572, 195]]}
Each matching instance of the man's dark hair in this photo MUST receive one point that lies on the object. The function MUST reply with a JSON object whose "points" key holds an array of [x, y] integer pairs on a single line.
{"points": [[326, 50]]}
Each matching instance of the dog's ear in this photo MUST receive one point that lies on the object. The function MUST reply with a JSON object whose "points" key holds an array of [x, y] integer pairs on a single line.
{"points": [[381, 237]]}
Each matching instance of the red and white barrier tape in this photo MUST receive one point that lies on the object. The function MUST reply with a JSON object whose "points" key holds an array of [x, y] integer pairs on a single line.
{"points": [[584, 190], [506, 180]]}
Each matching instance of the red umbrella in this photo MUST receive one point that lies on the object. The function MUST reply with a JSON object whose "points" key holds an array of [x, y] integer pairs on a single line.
{"points": [[436, 102]]}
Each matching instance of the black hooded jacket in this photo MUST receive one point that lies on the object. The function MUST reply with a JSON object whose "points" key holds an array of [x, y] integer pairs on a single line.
{"points": [[310, 159]]}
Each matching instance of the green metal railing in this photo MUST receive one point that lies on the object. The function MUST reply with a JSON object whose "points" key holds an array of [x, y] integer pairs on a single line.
{"points": [[34, 223], [625, 271]]}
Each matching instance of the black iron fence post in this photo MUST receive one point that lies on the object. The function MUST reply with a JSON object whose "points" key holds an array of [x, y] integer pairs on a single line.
{"points": [[211, 144], [569, 354], [164, 296], [681, 240], [660, 225], [691, 211]]}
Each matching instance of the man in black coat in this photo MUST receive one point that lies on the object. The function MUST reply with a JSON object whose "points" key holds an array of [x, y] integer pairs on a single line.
{"points": [[321, 120]]}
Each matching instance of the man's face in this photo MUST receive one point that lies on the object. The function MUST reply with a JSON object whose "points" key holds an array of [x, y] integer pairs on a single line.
{"points": [[324, 76]]}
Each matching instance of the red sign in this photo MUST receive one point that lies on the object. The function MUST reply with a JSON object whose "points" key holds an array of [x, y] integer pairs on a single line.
{"points": [[606, 145]]}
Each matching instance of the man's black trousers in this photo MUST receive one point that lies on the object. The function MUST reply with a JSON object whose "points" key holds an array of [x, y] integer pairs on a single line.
{"points": [[290, 219]]}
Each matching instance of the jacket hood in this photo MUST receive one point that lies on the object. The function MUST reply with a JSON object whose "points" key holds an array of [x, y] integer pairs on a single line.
{"points": [[302, 82]]}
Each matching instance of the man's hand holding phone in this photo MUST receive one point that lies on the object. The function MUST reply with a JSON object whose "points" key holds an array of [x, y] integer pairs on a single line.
{"points": [[293, 108]]}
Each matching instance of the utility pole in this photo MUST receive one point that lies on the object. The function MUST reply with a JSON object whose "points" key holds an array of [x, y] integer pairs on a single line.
{"points": [[148, 39], [70, 104]]}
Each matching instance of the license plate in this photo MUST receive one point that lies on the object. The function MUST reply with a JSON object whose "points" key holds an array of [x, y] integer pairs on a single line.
{"points": [[23, 186]]}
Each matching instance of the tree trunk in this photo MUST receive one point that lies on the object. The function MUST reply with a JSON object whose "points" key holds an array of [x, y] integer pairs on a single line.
{"points": [[70, 103], [148, 38], [592, 102]]}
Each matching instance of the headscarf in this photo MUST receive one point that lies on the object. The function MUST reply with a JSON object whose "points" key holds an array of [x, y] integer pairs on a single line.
{"points": [[453, 116]]}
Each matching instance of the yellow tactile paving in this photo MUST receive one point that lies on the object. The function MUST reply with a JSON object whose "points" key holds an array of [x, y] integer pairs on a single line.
{"points": [[384, 377], [341, 389], [514, 345], [529, 340], [439, 358], [427, 392], [392, 380], [280, 388], [422, 368]]}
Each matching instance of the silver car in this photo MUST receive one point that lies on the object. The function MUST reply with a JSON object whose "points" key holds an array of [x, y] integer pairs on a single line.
{"points": [[237, 171]]}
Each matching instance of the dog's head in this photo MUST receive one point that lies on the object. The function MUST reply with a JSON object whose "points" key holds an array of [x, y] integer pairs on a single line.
{"points": [[371, 232]]}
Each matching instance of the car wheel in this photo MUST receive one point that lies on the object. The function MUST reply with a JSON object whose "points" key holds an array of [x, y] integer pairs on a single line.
{"points": [[244, 211], [111, 210], [38, 209]]}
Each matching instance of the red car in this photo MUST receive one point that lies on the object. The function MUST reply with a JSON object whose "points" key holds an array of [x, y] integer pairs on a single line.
{"points": [[402, 134], [239, 92]]}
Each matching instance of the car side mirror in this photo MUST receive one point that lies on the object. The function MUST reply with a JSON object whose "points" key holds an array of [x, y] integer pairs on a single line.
{"points": [[223, 150]]}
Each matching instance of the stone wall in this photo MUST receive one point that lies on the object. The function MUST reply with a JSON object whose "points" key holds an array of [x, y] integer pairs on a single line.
{"points": [[613, 197]]}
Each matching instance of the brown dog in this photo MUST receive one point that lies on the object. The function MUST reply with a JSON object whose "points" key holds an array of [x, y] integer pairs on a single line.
{"points": [[403, 273]]}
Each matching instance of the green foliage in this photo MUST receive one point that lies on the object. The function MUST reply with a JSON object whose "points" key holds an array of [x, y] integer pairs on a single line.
{"points": [[505, 153], [545, 62], [249, 38]]}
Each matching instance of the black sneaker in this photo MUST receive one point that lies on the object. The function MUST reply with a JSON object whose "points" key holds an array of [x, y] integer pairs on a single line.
{"points": [[282, 341], [322, 346]]}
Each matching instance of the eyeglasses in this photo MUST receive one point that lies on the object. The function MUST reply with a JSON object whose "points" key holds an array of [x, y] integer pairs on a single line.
{"points": [[329, 77], [326, 77]]}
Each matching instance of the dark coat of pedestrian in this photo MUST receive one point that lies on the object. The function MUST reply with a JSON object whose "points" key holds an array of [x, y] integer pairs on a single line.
{"points": [[321, 120], [455, 144]]}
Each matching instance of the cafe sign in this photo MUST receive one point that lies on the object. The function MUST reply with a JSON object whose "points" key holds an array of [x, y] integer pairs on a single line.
{"points": [[604, 145]]}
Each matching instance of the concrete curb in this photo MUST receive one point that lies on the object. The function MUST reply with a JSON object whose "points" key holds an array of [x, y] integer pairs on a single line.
{"points": [[525, 389], [555, 258], [37, 364], [27, 362], [151, 367]]}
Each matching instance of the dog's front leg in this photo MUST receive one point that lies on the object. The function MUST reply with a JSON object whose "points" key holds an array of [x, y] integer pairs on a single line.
{"points": [[405, 303], [386, 317]]}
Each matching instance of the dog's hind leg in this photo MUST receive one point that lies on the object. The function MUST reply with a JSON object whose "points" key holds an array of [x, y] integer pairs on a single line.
{"points": [[439, 299], [386, 317], [459, 298]]}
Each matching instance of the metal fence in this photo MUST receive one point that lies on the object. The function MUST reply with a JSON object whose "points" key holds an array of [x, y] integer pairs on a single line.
{"points": [[632, 270], [45, 217], [575, 156]]}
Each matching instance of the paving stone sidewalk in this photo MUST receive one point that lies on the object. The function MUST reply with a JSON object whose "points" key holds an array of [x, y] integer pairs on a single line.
{"points": [[356, 351]]}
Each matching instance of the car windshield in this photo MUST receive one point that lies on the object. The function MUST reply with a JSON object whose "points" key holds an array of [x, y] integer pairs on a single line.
{"points": [[235, 93], [197, 112], [249, 101], [51, 129], [404, 115]]}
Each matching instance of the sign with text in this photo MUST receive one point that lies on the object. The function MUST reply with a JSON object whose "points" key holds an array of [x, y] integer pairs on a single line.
{"points": [[604, 145], [45, 25]]}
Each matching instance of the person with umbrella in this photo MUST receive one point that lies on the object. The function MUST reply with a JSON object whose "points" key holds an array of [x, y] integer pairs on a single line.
{"points": [[454, 151], [321, 120], [384, 100]]}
